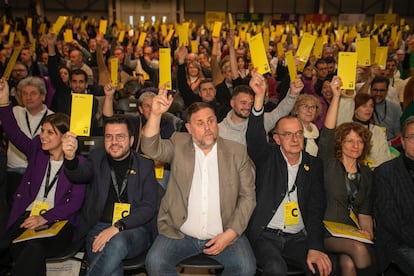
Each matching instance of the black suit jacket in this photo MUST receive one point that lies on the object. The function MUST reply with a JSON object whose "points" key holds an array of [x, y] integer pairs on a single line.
{"points": [[393, 209], [271, 185], [142, 189]]}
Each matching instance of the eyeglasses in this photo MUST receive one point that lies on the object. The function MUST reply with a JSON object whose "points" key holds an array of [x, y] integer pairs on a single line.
{"points": [[118, 137], [353, 142], [409, 138], [378, 90], [309, 107], [289, 135]]}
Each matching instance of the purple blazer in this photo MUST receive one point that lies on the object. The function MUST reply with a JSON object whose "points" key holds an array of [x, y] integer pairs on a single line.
{"points": [[68, 197]]}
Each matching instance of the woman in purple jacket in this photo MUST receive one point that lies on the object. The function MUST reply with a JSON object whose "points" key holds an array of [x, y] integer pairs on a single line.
{"points": [[44, 185]]}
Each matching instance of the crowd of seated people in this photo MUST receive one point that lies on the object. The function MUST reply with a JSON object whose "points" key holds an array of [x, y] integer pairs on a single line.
{"points": [[288, 128]]}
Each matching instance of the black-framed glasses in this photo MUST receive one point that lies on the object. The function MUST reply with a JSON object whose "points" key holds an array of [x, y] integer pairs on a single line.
{"points": [[118, 137]]}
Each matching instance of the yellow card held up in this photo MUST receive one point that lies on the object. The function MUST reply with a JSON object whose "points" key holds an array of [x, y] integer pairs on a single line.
{"points": [[163, 30], [295, 40], [194, 46], [170, 34], [11, 39], [347, 63], [6, 29], [217, 29], [33, 45], [236, 42], [142, 38], [68, 36], [242, 35], [291, 66], [114, 71], [381, 56], [231, 24], [182, 35], [280, 49], [102, 26], [258, 54], [81, 114], [12, 61], [165, 67], [121, 210], [39, 208], [363, 50], [29, 22], [318, 48], [305, 47], [59, 24], [121, 36]]}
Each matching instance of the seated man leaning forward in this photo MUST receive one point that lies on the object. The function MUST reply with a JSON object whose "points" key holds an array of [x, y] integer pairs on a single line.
{"points": [[119, 212], [286, 226], [210, 194]]}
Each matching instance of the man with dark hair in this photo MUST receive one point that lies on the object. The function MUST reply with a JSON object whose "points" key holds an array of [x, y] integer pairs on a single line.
{"points": [[393, 206], [387, 114], [210, 195], [119, 213]]}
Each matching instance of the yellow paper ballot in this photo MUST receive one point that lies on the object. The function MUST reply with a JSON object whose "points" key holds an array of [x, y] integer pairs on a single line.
{"points": [[283, 39], [291, 66], [381, 56], [102, 26], [295, 40], [165, 67], [39, 208], [163, 30], [194, 46], [59, 24], [258, 54], [266, 39], [121, 36], [142, 38], [114, 71], [81, 114], [280, 49], [29, 22], [292, 215], [30, 234], [121, 210], [33, 45], [217, 29], [231, 24], [242, 35], [12, 61], [11, 39], [373, 46], [68, 36], [6, 29], [170, 34], [318, 48], [83, 26], [347, 63], [305, 47], [236, 42], [182, 35], [363, 50]]}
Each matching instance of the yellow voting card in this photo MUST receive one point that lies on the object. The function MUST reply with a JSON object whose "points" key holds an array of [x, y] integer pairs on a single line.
{"points": [[318, 48], [231, 24], [258, 54], [29, 22], [280, 49], [381, 56], [363, 50], [39, 208], [170, 34], [57, 26], [141, 40], [163, 30], [68, 36], [347, 63], [291, 66], [81, 114], [11, 39], [165, 67], [182, 35], [217, 29], [114, 71], [6, 29], [236, 42], [102, 26], [194, 46], [121, 36], [10, 64], [305, 47], [121, 210], [242, 35]]}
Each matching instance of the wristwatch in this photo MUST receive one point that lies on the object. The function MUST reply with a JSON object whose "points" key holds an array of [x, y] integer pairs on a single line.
{"points": [[120, 225]]}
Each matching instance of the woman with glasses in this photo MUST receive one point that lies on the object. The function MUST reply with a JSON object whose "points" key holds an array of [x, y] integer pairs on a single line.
{"points": [[307, 108], [347, 186], [45, 195]]}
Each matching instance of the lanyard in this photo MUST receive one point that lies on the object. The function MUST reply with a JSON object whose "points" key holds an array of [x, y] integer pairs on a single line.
{"points": [[124, 180], [291, 190], [37, 128], [49, 185]]}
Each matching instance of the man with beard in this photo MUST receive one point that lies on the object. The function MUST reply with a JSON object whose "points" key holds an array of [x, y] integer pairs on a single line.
{"points": [[234, 125], [119, 213], [210, 194]]}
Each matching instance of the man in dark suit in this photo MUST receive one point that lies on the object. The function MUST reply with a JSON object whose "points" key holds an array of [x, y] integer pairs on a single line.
{"points": [[394, 208], [119, 212], [286, 226]]}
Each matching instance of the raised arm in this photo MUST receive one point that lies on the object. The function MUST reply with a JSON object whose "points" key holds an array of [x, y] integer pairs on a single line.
{"points": [[108, 105], [332, 113]]}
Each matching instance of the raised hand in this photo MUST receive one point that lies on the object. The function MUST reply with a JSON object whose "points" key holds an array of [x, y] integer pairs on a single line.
{"points": [[296, 86], [336, 85], [109, 89], [69, 145], [258, 83], [162, 102], [4, 92]]}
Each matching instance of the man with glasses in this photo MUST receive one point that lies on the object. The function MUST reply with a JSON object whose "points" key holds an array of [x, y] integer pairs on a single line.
{"points": [[286, 226], [119, 213], [393, 207], [387, 114]]}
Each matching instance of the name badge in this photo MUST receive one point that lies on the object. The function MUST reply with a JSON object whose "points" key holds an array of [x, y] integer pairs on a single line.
{"points": [[39, 208], [354, 218], [291, 213], [159, 171], [121, 210]]}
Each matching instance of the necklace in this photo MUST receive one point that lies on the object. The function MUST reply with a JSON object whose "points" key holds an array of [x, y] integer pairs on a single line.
{"points": [[352, 176]]}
